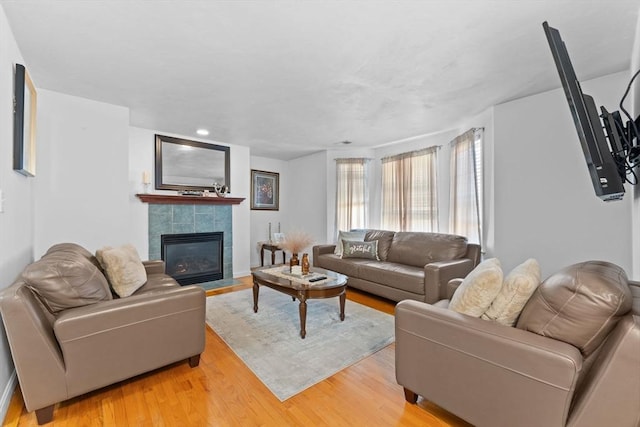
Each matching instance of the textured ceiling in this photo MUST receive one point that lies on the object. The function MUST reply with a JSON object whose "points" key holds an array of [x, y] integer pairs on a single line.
{"points": [[288, 78]]}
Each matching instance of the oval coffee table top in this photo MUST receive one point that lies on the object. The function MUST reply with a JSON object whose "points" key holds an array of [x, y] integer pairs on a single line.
{"points": [[278, 275]]}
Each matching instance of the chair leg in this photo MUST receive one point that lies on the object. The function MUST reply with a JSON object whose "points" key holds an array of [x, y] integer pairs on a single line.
{"points": [[410, 396], [194, 360], [45, 415]]}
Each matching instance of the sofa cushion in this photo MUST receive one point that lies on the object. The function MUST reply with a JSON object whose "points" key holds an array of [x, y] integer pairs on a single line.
{"points": [[123, 268], [478, 290], [355, 235], [419, 249], [384, 239], [399, 276], [348, 266], [66, 279], [579, 305], [367, 250], [516, 290]]}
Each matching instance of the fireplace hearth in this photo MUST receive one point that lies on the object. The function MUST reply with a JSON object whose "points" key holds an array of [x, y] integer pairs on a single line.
{"points": [[193, 257]]}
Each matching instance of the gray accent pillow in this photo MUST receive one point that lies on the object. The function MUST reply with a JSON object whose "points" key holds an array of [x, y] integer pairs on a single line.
{"points": [[353, 249], [357, 235], [66, 279]]}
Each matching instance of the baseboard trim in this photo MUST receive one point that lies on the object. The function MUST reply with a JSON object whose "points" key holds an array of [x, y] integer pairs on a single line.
{"points": [[7, 395]]}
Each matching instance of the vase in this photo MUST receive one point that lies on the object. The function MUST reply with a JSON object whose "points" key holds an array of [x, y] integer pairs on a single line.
{"points": [[305, 264], [294, 260]]}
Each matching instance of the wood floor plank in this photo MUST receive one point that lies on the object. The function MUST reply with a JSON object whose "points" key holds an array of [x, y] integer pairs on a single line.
{"points": [[222, 391]]}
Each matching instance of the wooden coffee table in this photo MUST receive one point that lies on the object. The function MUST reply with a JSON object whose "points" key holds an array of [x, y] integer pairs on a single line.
{"points": [[336, 286]]}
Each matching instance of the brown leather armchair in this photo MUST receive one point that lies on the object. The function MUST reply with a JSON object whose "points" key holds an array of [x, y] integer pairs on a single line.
{"points": [[572, 360], [62, 354]]}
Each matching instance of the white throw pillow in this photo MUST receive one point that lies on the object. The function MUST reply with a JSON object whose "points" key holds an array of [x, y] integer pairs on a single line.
{"points": [[478, 290], [354, 236], [516, 290], [123, 268]]}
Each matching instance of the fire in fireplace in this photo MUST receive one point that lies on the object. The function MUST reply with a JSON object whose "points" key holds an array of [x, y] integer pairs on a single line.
{"points": [[193, 257]]}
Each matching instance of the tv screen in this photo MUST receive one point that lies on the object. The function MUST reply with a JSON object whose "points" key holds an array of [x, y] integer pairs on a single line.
{"points": [[600, 157]]}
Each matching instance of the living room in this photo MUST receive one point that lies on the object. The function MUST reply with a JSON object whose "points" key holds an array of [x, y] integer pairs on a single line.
{"points": [[538, 198]]}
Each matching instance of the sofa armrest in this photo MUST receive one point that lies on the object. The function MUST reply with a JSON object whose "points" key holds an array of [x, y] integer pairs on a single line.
{"points": [[155, 266], [323, 249], [438, 274], [480, 370], [114, 340], [452, 286]]}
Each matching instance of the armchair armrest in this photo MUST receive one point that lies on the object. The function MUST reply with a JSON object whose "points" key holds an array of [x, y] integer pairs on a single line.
{"points": [[124, 337], [438, 274], [155, 266], [480, 370]]}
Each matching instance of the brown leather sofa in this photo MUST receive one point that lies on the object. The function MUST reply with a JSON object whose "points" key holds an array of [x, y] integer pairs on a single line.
{"points": [[60, 353], [412, 265], [573, 358]]}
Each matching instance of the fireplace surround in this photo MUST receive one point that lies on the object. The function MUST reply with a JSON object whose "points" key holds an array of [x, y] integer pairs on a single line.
{"points": [[191, 218]]}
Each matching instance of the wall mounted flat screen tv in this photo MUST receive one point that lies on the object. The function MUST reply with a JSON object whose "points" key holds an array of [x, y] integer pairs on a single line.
{"points": [[602, 152]]}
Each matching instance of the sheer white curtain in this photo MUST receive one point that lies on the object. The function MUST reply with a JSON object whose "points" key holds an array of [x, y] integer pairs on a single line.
{"points": [[465, 212], [352, 194], [409, 191]]}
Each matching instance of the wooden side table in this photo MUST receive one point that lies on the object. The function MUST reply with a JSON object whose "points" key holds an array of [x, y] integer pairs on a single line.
{"points": [[273, 248]]}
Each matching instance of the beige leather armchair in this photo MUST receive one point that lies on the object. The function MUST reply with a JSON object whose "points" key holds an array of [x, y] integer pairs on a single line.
{"points": [[495, 375], [61, 355]]}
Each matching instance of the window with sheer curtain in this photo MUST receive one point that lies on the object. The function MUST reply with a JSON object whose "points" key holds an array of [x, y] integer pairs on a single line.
{"points": [[352, 194], [465, 211], [409, 191]]}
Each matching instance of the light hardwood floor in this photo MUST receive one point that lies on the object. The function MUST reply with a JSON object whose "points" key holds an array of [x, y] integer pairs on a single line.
{"points": [[222, 391]]}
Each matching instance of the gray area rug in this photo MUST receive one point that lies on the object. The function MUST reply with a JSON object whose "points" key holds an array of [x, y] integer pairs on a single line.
{"points": [[269, 341]]}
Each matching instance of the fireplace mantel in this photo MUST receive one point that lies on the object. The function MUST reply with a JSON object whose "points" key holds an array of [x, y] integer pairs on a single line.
{"points": [[168, 199]]}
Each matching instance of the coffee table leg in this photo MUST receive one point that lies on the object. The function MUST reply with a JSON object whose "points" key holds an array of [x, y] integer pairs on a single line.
{"points": [[303, 317], [343, 297], [256, 288]]}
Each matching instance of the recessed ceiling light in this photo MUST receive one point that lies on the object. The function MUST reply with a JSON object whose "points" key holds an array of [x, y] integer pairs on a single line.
{"points": [[202, 132]]}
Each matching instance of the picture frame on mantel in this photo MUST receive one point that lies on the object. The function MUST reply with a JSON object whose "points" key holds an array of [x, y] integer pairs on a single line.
{"points": [[265, 190], [24, 123]]}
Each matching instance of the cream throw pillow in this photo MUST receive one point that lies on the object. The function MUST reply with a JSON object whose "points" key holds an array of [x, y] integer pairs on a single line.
{"points": [[516, 290], [476, 292], [123, 268]]}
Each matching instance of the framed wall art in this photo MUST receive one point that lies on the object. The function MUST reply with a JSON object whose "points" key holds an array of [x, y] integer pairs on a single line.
{"points": [[24, 123], [265, 190]]}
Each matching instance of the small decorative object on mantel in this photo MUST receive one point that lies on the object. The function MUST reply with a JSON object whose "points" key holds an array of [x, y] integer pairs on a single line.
{"points": [[220, 190], [192, 193], [294, 242], [146, 181]]}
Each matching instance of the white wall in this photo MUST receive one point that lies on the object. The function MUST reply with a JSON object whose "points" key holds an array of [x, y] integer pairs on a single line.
{"points": [[260, 219], [16, 219], [141, 149], [545, 205], [306, 190], [81, 192]]}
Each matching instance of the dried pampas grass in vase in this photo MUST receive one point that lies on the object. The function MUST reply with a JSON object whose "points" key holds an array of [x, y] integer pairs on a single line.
{"points": [[295, 242]]}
